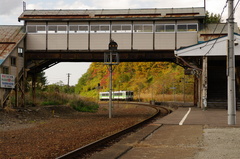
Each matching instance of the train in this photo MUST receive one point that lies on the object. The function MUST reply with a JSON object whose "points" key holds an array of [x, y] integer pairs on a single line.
{"points": [[117, 95]]}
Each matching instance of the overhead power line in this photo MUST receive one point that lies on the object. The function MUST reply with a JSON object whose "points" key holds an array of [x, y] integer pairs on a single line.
{"points": [[218, 22], [222, 28]]}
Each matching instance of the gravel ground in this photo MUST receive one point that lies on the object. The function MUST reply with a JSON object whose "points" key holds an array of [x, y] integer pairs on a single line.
{"points": [[49, 132], [220, 143]]}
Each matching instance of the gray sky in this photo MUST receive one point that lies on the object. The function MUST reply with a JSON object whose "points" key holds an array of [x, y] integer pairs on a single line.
{"points": [[11, 9]]}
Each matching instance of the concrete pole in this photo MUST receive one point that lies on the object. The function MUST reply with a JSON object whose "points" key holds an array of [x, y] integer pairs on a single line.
{"points": [[184, 82], [231, 67], [68, 75], [204, 83]]}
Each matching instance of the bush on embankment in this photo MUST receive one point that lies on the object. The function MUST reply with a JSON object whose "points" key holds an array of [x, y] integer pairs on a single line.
{"points": [[55, 98]]}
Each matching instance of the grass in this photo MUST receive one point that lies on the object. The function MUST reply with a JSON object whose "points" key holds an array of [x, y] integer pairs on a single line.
{"points": [[164, 97], [84, 106], [74, 101]]}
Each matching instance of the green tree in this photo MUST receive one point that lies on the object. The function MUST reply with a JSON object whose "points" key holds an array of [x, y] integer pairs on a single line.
{"points": [[59, 87], [212, 18], [41, 81]]}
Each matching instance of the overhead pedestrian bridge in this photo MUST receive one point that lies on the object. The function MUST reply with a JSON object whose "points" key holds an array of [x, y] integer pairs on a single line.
{"points": [[83, 35]]}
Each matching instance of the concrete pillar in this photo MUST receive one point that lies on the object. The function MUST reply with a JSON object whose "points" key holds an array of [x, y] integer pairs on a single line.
{"points": [[204, 83]]}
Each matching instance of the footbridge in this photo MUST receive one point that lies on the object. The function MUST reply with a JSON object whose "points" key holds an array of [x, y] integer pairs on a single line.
{"points": [[83, 35]]}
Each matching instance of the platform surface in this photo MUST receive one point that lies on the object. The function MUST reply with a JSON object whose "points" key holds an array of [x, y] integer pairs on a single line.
{"points": [[187, 133]]}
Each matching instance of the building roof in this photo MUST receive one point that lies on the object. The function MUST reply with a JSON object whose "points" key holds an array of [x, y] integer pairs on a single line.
{"points": [[214, 47], [10, 36], [115, 14]]}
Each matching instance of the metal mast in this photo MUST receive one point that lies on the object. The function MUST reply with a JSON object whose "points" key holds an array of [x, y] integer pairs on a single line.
{"points": [[231, 66], [111, 58]]}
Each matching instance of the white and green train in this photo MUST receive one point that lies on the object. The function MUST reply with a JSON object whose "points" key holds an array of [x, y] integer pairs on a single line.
{"points": [[117, 95]]}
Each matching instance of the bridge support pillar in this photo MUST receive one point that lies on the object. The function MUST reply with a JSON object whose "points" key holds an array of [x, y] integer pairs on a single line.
{"points": [[34, 78], [204, 83]]}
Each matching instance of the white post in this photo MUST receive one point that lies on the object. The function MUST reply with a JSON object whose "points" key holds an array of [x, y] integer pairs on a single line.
{"points": [[204, 83], [231, 67]]}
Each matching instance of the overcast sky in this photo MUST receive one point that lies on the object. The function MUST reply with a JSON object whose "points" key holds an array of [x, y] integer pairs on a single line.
{"points": [[11, 9]]}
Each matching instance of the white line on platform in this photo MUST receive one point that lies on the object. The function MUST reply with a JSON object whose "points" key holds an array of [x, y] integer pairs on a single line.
{"points": [[185, 117]]}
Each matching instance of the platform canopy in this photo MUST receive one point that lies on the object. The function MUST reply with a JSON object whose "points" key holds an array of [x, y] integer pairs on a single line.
{"points": [[214, 47]]}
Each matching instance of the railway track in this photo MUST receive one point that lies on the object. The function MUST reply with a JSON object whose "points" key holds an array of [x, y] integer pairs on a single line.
{"points": [[80, 152]]}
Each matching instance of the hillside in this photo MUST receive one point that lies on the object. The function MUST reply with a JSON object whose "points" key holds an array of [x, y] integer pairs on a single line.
{"points": [[149, 78]]}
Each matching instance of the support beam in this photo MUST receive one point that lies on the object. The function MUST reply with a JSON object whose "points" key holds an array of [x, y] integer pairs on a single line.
{"points": [[16, 93]]}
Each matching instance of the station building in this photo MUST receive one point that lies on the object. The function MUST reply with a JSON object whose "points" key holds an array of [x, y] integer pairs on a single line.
{"points": [[12, 70]]}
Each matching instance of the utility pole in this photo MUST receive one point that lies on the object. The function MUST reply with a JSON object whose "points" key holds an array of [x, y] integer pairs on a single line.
{"points": [[205, 5], [24, 5], [68, 78], [231, 66]]}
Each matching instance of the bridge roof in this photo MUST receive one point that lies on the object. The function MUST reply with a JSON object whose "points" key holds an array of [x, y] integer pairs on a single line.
{"points": [[10, 36], [115, 14]]}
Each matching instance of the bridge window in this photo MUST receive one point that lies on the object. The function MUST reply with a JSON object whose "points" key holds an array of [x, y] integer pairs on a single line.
{"points": [[165, 28], [57, 29], [121, 28], [100, 29], [36, 29], [187, 27], [192, 27], [78, 29], [143, 28]]}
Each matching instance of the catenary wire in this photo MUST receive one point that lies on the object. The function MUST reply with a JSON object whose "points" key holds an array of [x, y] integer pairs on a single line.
{"points": [[218, 22], [222, 29]]}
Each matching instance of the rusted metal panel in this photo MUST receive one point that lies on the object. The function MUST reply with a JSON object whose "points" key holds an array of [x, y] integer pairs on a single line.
{"points": [[180, 14], [206, 37], [112, 13]]}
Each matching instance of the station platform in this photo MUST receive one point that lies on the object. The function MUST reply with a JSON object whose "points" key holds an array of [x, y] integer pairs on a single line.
{"points": [[187, 133]]}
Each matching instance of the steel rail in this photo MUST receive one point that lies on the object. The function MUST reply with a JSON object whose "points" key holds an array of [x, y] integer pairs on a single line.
{"points": [[77, 153]]}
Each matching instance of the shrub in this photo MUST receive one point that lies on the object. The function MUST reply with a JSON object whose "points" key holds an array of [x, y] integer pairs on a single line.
{"points": [[83, 106], [55, 98]]}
